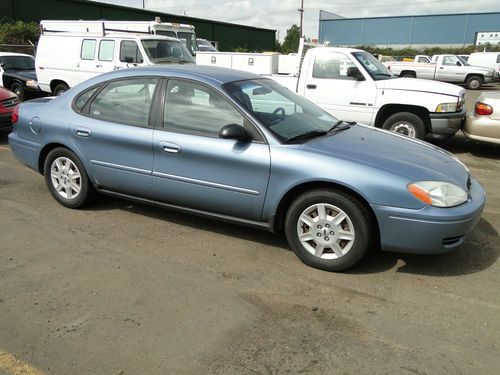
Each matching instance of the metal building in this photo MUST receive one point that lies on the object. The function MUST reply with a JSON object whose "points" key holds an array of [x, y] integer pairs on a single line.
{"points": [[229, 35], [405, 31]]}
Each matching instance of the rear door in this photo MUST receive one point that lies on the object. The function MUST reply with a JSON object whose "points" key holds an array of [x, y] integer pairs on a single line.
{"points": [[88, 59], [114, 134]]}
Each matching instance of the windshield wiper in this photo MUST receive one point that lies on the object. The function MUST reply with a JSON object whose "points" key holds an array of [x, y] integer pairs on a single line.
{"points": [[336, 127], [309, 134]]}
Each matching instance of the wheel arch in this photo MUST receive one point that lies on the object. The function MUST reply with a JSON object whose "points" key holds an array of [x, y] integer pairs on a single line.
{"points": [[49, 147], [56, 82], [287, 199], [388, 110], [409, 72]]}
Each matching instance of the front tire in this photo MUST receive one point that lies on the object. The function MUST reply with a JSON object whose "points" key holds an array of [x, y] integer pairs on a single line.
{"points": [[474, 83], [406, 123], [66, 178], [18, 89], [328, 229]]}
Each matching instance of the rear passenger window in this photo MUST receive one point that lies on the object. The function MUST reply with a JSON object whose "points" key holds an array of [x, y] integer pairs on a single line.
{"points": [[84, 98], [106, 50], [194, 108], [129, 52], [88, 49], [126, 101]]}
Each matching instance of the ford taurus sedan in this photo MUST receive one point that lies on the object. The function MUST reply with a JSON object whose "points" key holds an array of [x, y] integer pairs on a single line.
{"points": [[237, 147]]}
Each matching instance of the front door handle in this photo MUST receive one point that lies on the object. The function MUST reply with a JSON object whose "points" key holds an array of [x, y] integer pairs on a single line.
{"points": [[82, 132], [311, 87], [170, 147]]}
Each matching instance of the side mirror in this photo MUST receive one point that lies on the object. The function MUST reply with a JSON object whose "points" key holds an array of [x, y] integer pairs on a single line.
{"points": [[234, 131], [458, 63], [354, 72], [128, 59]]}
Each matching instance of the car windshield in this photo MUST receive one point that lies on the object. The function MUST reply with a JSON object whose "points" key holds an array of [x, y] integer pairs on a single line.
{"points": [[375, 68], [283, 112], [205, 45], [18, 62], [166, 51], [190, 40], [463, 60]]}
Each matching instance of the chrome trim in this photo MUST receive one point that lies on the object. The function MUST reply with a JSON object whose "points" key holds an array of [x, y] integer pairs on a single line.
{"points": [[205, 183], [120, 167]]}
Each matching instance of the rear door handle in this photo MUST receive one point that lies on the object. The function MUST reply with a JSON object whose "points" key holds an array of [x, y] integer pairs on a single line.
{"points": [[81, 132], [170, 147], [311, 87]]}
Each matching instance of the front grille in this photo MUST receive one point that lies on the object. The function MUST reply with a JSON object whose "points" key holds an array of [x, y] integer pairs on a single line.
{"points": [[10, 102]]}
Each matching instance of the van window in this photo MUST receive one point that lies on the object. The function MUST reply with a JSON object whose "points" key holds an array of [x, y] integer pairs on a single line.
{"points": [[88, 49], [498, 58], [106, 50], [129, 52]]}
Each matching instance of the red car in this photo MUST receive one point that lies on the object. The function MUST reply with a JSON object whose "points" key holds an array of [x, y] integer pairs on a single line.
{"points": [[8, 102]]}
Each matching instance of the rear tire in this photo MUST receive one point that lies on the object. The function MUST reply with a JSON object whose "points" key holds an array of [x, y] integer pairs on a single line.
{"points": [[408, 75], [67, 179], [339, 233], [406, 123], [474, 83], [60, 89]]}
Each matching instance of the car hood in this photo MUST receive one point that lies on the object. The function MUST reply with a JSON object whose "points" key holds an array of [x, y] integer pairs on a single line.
{"points": [[23, 74], [423, 85], [480, 69], [406, 157]]}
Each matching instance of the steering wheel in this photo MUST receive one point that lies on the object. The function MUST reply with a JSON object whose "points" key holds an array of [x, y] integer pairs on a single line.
{"points": [[274, 118]]}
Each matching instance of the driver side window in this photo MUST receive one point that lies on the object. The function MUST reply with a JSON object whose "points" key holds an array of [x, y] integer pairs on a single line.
{"points": [[332, 66]]}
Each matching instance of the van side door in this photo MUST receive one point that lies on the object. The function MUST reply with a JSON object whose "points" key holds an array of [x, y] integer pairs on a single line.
{"points": [[87, 59]]}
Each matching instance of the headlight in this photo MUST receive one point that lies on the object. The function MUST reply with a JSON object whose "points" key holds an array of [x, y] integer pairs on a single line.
{"points": [[32, 83], [447, 107], [437, 193]]}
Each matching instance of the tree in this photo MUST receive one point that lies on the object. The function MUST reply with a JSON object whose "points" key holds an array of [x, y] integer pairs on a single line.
{"points": [[292, 39]]}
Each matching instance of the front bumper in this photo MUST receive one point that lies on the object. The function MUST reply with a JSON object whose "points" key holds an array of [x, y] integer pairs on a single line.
{"points": [[447, 123], [431, 230], [6, 121]]}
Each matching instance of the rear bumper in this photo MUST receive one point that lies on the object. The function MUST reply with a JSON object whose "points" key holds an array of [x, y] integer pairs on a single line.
{"points": [[482, 128], [447, 123], [25, 151], [431, 230]]}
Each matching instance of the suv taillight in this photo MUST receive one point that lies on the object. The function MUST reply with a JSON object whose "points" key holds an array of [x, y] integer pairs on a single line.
{"points": [[482, 109], [15, 115]]}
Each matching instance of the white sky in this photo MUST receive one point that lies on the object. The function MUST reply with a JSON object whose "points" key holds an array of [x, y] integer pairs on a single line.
{"points": [[280, 15]]}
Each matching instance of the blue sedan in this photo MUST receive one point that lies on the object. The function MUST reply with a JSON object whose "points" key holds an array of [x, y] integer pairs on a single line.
{"points": [[240, 148]]}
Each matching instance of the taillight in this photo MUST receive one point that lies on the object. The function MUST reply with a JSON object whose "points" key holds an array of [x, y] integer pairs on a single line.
{"points": [[15, 115], [483, 109]]}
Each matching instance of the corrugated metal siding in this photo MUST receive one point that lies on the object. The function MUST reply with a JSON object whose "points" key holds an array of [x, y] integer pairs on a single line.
{"points": [[230, 36], [408, 30]]}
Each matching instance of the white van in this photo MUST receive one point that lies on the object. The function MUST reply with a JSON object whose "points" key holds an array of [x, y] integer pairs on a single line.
{"points": [[486, 59], [65, 59]]}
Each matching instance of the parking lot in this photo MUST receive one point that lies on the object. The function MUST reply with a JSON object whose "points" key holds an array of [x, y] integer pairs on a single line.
{"points": [[121, 288]]}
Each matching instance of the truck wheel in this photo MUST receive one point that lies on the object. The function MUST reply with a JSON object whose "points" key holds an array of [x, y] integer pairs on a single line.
{"points": [[329, 229], [60, 89], [18, 89], [474, 82], [408, 75], [406, 123]]}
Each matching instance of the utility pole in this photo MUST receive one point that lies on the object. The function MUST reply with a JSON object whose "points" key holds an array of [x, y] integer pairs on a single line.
{"points": [[301, 10]]}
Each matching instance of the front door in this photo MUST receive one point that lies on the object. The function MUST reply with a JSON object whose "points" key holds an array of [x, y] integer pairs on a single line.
{"points": [[114, 134], [344, 97], [195, 168], [451, 70]]}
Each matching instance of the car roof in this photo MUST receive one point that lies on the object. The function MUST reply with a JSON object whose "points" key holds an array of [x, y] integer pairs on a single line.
{"points": [[208, 74]]}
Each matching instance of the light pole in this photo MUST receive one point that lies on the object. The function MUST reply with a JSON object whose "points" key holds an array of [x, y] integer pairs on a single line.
{"points": [[301, 10]]}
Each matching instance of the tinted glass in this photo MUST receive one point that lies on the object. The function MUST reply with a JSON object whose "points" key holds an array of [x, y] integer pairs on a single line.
{"points": [[127, 101], [88, 49], [18, 62], [194, 108], [106, 50], [166, 51], [333, 66], [129, 52], [84, 98]]}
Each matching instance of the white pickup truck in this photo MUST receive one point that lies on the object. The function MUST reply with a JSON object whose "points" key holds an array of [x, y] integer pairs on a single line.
{"points": [[353, 85], [446, 68]]}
